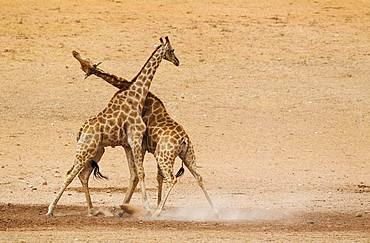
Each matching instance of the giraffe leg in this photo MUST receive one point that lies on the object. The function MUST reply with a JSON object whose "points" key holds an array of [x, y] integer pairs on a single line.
{"points": [[160, 183], [165, 165], [189, 160], [84, 176], [133, 175], [135, 142], [85, 151], [199, 179], [71, 174]]}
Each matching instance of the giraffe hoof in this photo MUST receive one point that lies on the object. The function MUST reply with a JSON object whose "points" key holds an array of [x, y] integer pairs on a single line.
{"points": [[156, 214], [49, 214], [92, 212]]}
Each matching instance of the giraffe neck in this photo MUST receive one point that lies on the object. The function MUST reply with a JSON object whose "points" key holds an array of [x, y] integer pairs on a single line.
{"points": [[142, 81], [118, 82]]}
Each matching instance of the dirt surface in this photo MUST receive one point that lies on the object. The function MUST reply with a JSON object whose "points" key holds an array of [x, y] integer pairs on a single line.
{"points": [[71, 224], [274, 95]]}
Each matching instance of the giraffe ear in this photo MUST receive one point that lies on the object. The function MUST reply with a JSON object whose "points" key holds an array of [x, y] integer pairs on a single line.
{"points": [[167, 40]]}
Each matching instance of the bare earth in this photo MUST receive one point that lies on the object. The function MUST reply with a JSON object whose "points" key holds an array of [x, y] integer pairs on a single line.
{"points": [[274, 94]]}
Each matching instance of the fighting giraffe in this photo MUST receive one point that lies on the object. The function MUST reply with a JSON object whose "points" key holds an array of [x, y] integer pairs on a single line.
{"points": [[164, 138], [119, 124]]}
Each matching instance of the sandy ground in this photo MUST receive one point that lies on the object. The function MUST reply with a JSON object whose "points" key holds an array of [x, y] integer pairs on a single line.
{"points": [[274, 94]]}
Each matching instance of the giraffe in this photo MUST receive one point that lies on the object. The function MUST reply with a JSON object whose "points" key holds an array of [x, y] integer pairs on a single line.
{"points": [[119, 124], [164, 138]]}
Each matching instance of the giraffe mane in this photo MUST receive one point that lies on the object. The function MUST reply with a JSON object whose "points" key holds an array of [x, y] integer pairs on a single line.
{"points": [[137, 75]]}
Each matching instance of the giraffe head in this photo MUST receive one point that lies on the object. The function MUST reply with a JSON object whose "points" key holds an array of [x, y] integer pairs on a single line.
{"points": [[169, 54]]}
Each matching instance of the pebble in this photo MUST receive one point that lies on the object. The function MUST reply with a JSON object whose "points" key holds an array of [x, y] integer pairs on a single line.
{"points": [[358, 214], [44, 183]]}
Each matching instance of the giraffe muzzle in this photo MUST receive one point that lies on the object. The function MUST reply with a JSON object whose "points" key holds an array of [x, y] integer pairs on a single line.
{"points": [[176, 62]]}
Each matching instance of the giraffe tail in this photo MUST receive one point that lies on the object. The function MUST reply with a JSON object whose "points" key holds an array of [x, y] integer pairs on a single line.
{"points": [[184, 146], [181, 171], [97, 173], [188, 155]]}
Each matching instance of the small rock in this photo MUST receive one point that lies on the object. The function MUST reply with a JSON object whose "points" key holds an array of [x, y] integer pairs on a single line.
{"points": [[44, 183], [34, 189], [358, 214], [30, 186]]}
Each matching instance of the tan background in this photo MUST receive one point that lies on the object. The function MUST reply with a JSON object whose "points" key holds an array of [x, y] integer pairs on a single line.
{"points": [[274, 94]]}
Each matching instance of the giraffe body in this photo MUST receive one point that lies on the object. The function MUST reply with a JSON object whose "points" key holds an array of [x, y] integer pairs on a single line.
{"points": [[119, 124], [164, 138]]}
